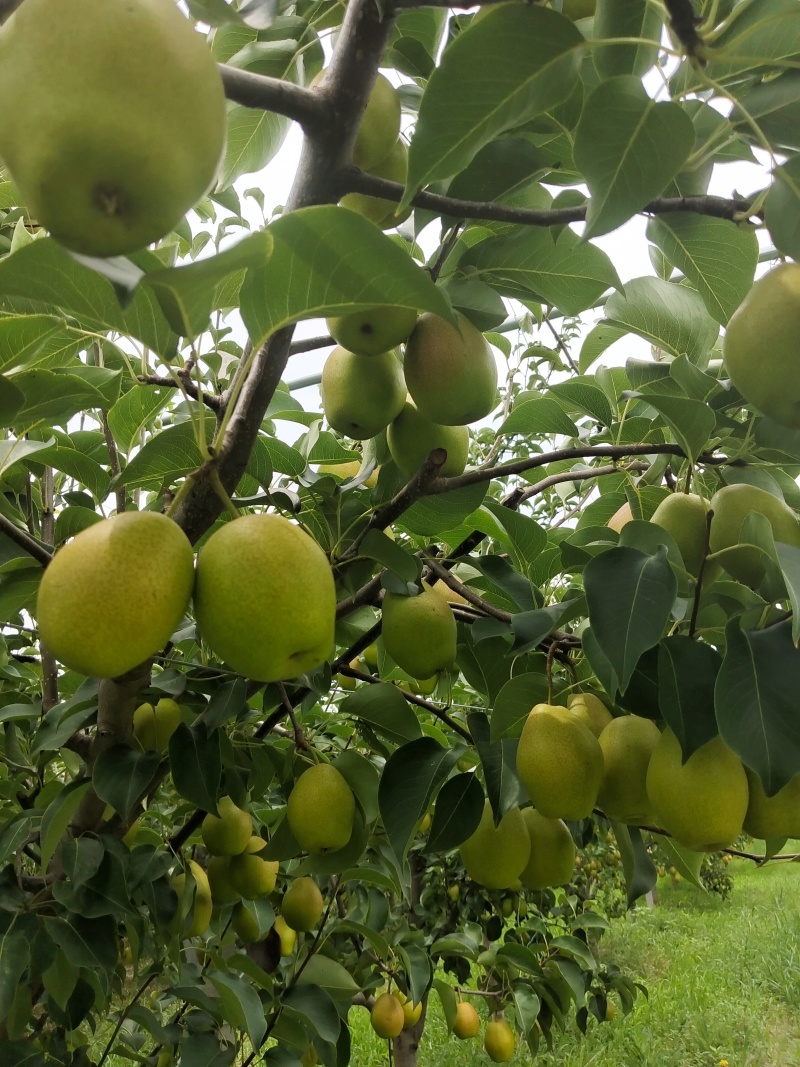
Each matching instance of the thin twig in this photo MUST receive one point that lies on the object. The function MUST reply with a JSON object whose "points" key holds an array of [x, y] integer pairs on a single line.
{"points": [[464, 591], [412, 698], [211, 400]]}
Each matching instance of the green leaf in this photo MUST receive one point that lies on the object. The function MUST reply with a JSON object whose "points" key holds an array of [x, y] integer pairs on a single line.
{"points": [[134, 412], [718, 257], [385, 550], [756, 701], [315, 1007], [582, 395], [447, 995], [167, 456], [670, 316], [628, 19], [253, 137], [789, 561], [55, 396], [499, 763], [434, 515], [91, 943], [514, 703], [640, 871], [411, 776], [242, 1005], [15, 953], [330, 976], [567, 273], [227, 702], [630, 596], [329, 261], [76, 464], [692, 422], [628, 147], [22, 338], [385, 709], [121, 775], [534, 414], [685, 860], [534, 55], [782, 208], [687, 674], [194, 756], [573, 946], [57, 817], [458, 811], [71, 521]]}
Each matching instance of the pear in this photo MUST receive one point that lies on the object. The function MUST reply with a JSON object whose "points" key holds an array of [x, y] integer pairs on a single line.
{"points": [[112, 597], [371, 332], [621, 517], [776, 816], [412, 1013], [627, 743], [199, 916], [361, 395], [591, 710], [380, 125], [683, 515], [302, 904], [113, 119], [412, 438], [383, 213], [419, 632], [560, 763], [387, 1016], [760, 345], [346, 470], [450, 371], [552, 860], [264, 598], [229, 834], [467, 1022], [579, 9], [245, 924], [154, 726], [701, 802], [219, 879], [288, 937], [731, 505], [251, 875], [495, 856], [321, 809], [499, 1041]]}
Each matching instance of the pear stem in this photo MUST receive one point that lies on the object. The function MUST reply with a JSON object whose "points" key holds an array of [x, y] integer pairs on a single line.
{"points": [[219, 489]]}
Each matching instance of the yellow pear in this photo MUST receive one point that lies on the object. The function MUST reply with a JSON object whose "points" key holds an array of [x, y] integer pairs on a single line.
{"points": [[229, 834], [552, 859], [731, 505], [419, 632], [245, 924], [450, 371], [321, 809], [498, 1040], [394, 168], [371, 332], [113, 121], [776, 816], [495, 856], [302, 904], [627, 743], [467, 1022], [347, 470], [448, 594], [387, 1016], [683, 515], [380, 125], [112, 597], [250, 875], [199, 916], [411, 439], [591, 710], [264, 598], [760, 345], [702, 802], [361, 395], [621, 517], [560, 763], [412, 1013], [154, 726], [287, 935], [219, 879]]}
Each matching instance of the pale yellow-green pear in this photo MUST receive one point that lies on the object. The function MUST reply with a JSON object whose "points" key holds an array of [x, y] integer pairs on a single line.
{"points": [[112, 597], [383, 213], [627, 743], [552, 860], [288, 936], [591, 710], [348, 469], [499, 1041], [621, 517], [199, 916], [113, 119], [419, 632], [412, 438], [380, 125], [683, 515], [560, 763], [229, 833], [361, 394], [302, 904], [731, 505], [154, 726], [467, 1022], [450, 371], [264, 598], [387, 1016], [369, 333], [775, 816], [250, 874], [495, 856], [321, 809], [246, 925]]}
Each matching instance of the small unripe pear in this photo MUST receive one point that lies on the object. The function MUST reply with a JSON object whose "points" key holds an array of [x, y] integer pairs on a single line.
{"points": [[361, 395], [251, 875], [154, 726]]}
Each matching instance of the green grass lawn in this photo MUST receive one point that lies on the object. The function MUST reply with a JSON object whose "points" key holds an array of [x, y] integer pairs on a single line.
{"points": [[724, 981]]}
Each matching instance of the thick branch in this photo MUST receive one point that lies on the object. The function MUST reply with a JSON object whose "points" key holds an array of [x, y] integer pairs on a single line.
{"points": [[310, 344], [33, 547], [273, 94]]}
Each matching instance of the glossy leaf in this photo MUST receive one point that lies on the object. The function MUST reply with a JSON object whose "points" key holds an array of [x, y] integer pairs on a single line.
{"points": [[458, 811], [411, 776], [687, 674]]}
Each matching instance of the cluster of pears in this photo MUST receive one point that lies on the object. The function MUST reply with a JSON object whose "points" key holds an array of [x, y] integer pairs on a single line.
{"points": [[446, 380], [264, 595], [392, 1013], [113, 119]]}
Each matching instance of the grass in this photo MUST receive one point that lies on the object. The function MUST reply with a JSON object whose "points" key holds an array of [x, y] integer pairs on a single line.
{"points": [[723, 976]]}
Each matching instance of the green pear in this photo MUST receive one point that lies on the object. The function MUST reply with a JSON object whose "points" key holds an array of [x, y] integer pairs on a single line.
{"points": [[591, 710], [250, 874], [450, 371], [264, 598], [113, 596], [199, 917], [380, 125], [776, 816], [348, 469], [579, 9], [219, 879], [495, 856], [154, 726], [552, 860], [302, 904], [412, 438], [560, 763], [321, 809], [419, 632], [246, 925], [113, 121], [731, 505], [627, 743], [701, 802], [683, 515], [383, 213], [760, 345], [288, 937], [230, 833], [369, 333], [361, 395]]}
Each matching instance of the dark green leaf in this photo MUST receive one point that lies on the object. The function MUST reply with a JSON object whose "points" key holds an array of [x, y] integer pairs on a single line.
{"points": [[458, 811], [514, 703], [384, 708], [687, 674], [121, 775], [194, 757], [640, 871], [411, 776], [499, 763]]}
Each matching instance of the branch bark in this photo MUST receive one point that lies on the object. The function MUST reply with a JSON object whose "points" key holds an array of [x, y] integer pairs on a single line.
{"points": [[41, 553], [272, 94]]}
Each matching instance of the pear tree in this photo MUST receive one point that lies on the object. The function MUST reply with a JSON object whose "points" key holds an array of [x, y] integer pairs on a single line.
{"points": [[310, 703]]}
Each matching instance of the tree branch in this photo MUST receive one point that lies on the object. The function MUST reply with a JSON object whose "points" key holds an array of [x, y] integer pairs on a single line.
{"points": [[34, 548], [579, 476], [310, 344], [211, 400], [272, 94], [464, 591], [412, 698]]}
